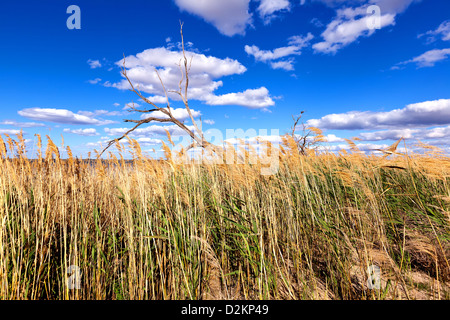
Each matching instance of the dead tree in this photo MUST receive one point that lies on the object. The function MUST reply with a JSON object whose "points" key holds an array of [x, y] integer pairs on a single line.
{"points": [[301, 141], [182, 92]]}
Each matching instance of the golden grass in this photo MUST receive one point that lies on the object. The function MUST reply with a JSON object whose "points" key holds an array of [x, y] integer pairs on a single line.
{"points": [[148, 229]]}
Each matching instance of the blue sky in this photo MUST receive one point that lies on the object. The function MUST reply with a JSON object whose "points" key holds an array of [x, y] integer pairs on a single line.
{"points": [[255, 64]]}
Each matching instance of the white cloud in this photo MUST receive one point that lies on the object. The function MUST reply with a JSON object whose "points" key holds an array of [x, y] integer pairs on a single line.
{"points": [[393, 6], [393, 134], [333, 138], [230, 17], [22, 124], [345, 29], [443, 31], [60, 116], [157, 99], [254, 141], [390, 6], [9, 131], [203, 76], [317, 23], [94, 144], [287, 65], [296, 44], [148, 141], [265, 55], [150, 130], [164, 58], [143, 142], [209, 121], [434, 135], [100, 113], [300, 41], [429, 58], [108, 113], [363, 147], [131, 104], [267, 8], [437, 133], [334, 3], [351, 23], [251, 98], [82, 132], [95, 81], [180, 114], [428, 113], [94, 64]]}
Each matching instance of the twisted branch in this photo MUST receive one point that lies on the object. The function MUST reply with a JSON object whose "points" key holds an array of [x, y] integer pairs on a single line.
{"points": [[198, 139]]}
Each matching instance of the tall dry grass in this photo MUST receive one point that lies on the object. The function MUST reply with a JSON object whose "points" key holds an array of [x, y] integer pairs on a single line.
{"points": [[147, 229]]}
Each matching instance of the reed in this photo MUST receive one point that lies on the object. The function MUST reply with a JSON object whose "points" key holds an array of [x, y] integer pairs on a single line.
{"points": [[147, 229]]}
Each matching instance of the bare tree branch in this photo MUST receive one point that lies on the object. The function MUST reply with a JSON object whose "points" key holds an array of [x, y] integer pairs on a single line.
{"points": [[197, 134], [302, 141]]}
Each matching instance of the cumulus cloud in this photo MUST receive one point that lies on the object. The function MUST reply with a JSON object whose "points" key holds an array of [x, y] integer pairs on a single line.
{"points": [[426, 121], [443, 31], [180, 114], [230, 17], [437, 133], [393, 134], [100, 113], [434, 135], [335, 3], [317, 23], [267, 8], [157, 99], [209, 121], [351, 23], [149, 131], [94, 64], [333, 138], [348, 26], [143, 142], [9, 131], [61, 116], [203, 77], [131, 104], [201, 64], [82, 132], [95, 81], [295, 45], [277, 140], [287, 65], [254, 140], [392, 6], [363, 147], [429, 58], [251, 98], [265, 55], [148, 141], [428, 113], [22, 124]]}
